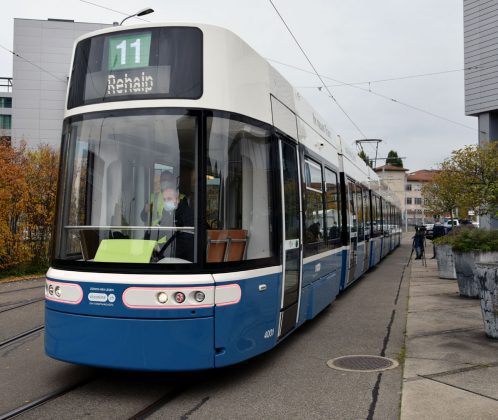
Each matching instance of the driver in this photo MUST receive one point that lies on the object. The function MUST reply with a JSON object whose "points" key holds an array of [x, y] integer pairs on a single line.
{"points": [[176, 212]]}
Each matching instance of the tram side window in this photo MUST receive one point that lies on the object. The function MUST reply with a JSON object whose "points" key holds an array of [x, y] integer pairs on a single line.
{"points": [[238, 191], [332, 210], [368, 215], [360, 212], [353, 221], [313, 210], [377, 226]]}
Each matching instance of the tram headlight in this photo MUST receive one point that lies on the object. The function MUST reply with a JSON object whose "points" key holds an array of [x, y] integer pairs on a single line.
{"points": [[162, 297], [57, 291], [51, 289], [199, 296], [179, 297]]}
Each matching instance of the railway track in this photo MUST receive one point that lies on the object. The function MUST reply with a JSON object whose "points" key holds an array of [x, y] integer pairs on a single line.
{"points": [[21, 336], [14, 305], [46, 398], [21, 290]]}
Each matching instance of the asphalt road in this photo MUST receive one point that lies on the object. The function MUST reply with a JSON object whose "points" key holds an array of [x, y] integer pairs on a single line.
{"points": [[291, 381]]}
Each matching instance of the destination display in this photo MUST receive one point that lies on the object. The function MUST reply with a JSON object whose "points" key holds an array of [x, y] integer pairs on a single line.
{"points": [[128, 65]]}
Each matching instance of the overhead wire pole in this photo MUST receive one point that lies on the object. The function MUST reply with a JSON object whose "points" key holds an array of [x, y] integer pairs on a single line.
{"points": [[377, 141], [316, 72]]}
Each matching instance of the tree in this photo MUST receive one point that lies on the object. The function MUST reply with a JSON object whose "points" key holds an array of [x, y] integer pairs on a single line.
{"points": [[441, 195], [13, 196], [468, 179], [41, 179], [476, 169], [27, 203], [365, 158], [393, 159]]}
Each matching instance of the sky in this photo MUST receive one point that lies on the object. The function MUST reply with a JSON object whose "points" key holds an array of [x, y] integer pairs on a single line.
{"points": [[350, 41]]}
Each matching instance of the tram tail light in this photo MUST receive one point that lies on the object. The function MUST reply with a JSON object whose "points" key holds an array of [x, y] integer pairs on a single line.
{"points": [[179, 297]]}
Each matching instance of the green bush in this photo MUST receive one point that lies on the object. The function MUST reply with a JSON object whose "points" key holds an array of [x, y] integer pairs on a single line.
{"points": [[467, 240]]}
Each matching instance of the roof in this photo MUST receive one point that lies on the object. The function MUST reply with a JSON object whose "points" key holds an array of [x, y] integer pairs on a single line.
{"points": [[423, 175], [389, 168]]}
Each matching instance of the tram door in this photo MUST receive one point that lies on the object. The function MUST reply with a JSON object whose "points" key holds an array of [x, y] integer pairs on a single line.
{"points": [[291, 241], [353, 228]]}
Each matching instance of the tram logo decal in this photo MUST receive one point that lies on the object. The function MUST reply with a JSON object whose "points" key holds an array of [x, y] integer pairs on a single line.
{"points": [[129, 85], [97, 296]]}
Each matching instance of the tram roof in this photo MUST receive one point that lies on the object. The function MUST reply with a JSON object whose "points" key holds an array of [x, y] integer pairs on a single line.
{"points": [[233, 70]]}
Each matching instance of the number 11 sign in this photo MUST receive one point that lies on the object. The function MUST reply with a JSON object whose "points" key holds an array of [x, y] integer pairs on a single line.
{"points": [[129, 51]]}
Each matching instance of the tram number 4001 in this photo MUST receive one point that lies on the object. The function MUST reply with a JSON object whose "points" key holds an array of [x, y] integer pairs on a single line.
{"points": [[269, 333]]}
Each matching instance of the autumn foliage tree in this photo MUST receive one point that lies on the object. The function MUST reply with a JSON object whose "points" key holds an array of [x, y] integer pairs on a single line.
{"points": [[468, 179], [28, 180]]}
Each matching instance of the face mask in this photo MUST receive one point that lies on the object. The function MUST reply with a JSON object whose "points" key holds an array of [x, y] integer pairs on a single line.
{"points": [[169, 205]]}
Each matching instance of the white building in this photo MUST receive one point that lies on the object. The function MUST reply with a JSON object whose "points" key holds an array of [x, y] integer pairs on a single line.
{"points": [[40, 76]]}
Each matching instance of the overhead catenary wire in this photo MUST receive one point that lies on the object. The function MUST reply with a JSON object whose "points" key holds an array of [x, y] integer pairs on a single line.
{"points": [[316, 72], [369, 90], [33, 64], [113, 10], [412, 76]]}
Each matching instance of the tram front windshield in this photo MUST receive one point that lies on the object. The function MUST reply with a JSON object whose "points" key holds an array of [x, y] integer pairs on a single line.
{"points": [[129, 188]]}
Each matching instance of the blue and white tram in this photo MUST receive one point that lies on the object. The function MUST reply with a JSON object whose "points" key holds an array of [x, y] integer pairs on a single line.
{"points": [[204, 210]]}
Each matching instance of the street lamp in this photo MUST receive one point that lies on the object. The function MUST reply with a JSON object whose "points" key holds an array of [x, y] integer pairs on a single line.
{"points": [[142, 12]]}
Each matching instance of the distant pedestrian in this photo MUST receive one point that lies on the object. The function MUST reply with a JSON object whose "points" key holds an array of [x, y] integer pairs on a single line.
{"points": [[419, 242]]}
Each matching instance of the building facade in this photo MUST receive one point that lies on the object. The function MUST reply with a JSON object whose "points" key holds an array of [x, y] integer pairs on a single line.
{"points": [[416, 210], [481, 71], [395, 178], [40, 76], [5, 108]]}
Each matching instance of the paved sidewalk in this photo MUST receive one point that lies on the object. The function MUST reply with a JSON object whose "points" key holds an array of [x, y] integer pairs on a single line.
{"points": [[451, 367]]}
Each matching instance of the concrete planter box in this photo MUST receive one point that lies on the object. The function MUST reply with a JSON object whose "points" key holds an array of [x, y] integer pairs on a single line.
{"points": [[445, 262], [465, 264], [487, 277]]}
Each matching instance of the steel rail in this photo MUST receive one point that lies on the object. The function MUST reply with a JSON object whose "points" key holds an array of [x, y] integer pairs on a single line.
{"points": [[21, 290], [45, 398], [20, 305], [22, 335], [156, 405]]}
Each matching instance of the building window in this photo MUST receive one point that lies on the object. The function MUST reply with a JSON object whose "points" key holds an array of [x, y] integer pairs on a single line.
{"points": [[408, 200], [408, 187], [5, 102], [6, 122], [418, 201]]}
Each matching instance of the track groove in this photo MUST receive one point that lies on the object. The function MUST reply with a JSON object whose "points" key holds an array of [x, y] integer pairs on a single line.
{"points": [[45, 398], [22, 335], [20, 305]]}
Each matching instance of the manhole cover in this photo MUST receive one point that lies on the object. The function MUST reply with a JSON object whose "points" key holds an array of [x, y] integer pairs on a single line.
{"points": [[362, 363]]}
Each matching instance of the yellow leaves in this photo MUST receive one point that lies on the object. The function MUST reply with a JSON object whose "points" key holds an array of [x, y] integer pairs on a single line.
{"points": [[468, 179], [28, 182]]}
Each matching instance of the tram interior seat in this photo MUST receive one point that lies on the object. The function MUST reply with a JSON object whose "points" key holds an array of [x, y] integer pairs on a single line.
{"points": [[226, 245]]}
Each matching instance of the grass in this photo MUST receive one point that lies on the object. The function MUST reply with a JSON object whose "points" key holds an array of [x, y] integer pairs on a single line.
{"points": [[22, 273]]}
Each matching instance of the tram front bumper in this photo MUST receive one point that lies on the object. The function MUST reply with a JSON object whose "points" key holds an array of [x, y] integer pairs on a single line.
{"points": [[124, 343]]}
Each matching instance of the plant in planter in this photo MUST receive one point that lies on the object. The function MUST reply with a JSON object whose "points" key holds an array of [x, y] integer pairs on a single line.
{"points": [[487, 276], [471, 246]]}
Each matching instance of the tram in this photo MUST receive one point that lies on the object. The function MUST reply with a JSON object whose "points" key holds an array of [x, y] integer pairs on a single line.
{"points": [[205, 211]]}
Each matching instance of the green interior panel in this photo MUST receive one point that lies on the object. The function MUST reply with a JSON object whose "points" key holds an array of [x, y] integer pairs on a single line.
{"points": [[125, 250]]}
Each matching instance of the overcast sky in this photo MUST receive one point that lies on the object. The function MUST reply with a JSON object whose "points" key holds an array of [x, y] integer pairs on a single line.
{"points": [[347, 40]]}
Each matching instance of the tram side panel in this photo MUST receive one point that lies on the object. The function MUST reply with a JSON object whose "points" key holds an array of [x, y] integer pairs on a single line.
{"points": [[248, 327]]}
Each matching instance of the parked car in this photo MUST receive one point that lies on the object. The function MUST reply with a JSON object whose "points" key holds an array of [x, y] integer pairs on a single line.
{"points": [[449, 224], [428, 230]]}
